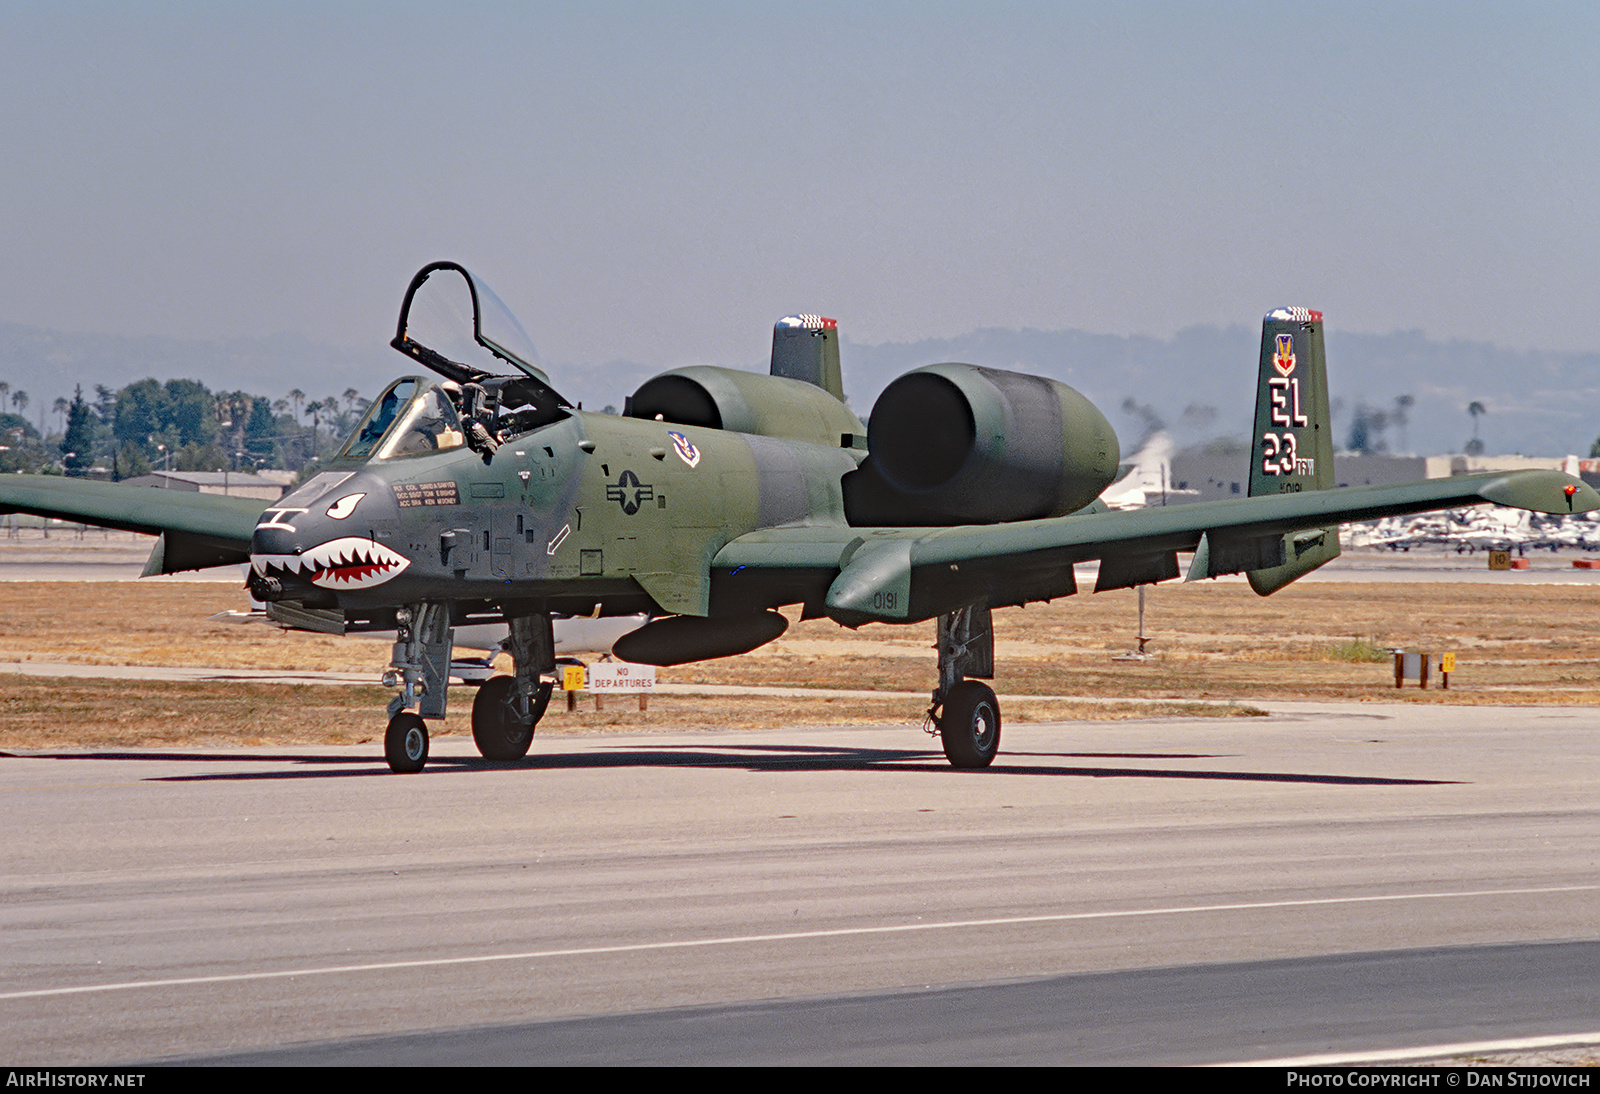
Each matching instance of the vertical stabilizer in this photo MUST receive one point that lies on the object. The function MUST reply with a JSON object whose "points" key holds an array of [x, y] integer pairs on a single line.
{"points": [[1292, 449], [1293, 444], [806, 347]]}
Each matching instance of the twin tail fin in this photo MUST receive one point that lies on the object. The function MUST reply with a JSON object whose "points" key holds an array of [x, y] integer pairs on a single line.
{"points": [[1291, 451], [1292, 447]]}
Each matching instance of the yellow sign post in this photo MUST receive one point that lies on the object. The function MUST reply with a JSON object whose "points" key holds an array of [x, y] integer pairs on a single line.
{"points": [[572, 681]]}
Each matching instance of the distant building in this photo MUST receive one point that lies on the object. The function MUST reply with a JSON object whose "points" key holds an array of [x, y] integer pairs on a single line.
{"points": [[1589, 472], [1211, 475], [1217, 476], [1362, 469], [237, 484]]}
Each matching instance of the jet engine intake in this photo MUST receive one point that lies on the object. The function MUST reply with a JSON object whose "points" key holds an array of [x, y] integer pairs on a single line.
{"points": [[983, 445], [744, 402]]}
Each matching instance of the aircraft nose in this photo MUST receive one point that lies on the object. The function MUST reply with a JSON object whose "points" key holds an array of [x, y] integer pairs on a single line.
{"points": [[309, 516], [332, 541], [273, 539]]}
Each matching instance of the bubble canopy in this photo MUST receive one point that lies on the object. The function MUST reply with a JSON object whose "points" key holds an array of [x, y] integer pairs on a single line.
{"points": [[452, 322], [413, 417]]}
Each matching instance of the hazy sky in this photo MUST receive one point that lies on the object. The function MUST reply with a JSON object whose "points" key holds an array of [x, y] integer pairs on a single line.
{"points": [[660, 181]]}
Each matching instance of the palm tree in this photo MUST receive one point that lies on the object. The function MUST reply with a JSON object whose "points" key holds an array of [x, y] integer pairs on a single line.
{"points": [[19, 401], [330, 407], [1477, 410], [1401, 415]]}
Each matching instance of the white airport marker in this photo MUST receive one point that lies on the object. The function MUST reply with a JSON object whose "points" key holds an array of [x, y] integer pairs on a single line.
{"points": [[782, 936], [1426, 1052]]}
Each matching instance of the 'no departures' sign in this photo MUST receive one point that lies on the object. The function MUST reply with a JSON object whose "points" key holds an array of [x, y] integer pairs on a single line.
{"points": [[621, 676]]}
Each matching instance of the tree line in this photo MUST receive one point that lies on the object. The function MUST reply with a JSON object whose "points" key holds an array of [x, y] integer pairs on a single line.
{"points": [[180, 425]]}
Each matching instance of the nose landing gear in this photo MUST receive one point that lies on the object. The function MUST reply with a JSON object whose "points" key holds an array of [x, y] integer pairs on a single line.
{"points": [[507, 708]]}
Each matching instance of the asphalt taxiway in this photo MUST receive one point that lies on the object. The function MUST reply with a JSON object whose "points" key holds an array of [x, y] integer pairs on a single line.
{"points": [[1335, 880]]}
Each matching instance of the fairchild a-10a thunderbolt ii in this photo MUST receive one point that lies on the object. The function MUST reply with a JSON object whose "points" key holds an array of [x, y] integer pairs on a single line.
{"points": [[473, 492]]}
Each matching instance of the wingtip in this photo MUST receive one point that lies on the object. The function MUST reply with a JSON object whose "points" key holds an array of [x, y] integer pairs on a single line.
{"points": [[1542, 492]]}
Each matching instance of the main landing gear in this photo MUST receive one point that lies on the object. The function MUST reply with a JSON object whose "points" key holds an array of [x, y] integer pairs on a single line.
{"points": [[503, 719], [966, 712], [506, 709]]}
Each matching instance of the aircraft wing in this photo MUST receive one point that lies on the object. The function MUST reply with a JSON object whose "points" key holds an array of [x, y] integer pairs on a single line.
{"points": [[905, 574], [196, 530]]}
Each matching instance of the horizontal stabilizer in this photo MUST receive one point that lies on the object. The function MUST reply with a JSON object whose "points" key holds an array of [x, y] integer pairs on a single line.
{"points": [[1219, 555]]}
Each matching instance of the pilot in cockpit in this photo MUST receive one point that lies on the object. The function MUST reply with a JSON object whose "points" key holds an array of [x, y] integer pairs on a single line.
{"points": [[472, 403]]}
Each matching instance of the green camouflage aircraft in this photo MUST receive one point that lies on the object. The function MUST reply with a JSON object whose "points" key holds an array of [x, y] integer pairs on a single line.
{"points": [[480, 494]]}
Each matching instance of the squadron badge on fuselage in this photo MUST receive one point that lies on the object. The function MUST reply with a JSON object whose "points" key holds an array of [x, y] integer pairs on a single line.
{"points": [[685, 448]]}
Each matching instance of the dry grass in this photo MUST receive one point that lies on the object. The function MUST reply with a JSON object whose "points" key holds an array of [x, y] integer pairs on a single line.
{"points": [[1516, 645], [161, 623], [39, 712]]}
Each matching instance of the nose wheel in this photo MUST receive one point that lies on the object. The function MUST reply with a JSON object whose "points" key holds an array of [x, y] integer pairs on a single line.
{"points": [[405, 745]]}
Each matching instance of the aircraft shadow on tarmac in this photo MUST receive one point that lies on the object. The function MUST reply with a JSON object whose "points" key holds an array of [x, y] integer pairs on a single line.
{"points": [[755, 758], [1354, 1003]]}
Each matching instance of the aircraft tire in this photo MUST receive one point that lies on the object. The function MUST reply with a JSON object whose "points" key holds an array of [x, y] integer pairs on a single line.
{"points": [[495, 728], [969, 727], [405, 744]]}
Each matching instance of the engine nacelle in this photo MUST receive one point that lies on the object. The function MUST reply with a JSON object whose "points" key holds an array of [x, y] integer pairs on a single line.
{"points": [[980, 445], [745, 402]]}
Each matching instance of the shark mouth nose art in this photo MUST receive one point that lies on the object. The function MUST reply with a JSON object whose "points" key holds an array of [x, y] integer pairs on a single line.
{"points": [[348, 563]]}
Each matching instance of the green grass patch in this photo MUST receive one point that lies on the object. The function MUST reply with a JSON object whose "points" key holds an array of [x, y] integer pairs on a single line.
{"points": [[1358, 650]]}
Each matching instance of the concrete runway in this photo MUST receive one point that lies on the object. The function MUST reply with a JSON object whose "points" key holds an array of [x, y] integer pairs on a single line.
{"points": [[1336, 879]]}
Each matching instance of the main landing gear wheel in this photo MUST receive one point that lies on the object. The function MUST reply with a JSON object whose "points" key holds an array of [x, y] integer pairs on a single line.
{"points": [[405, 745], [498, 732], [970, 725]]}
